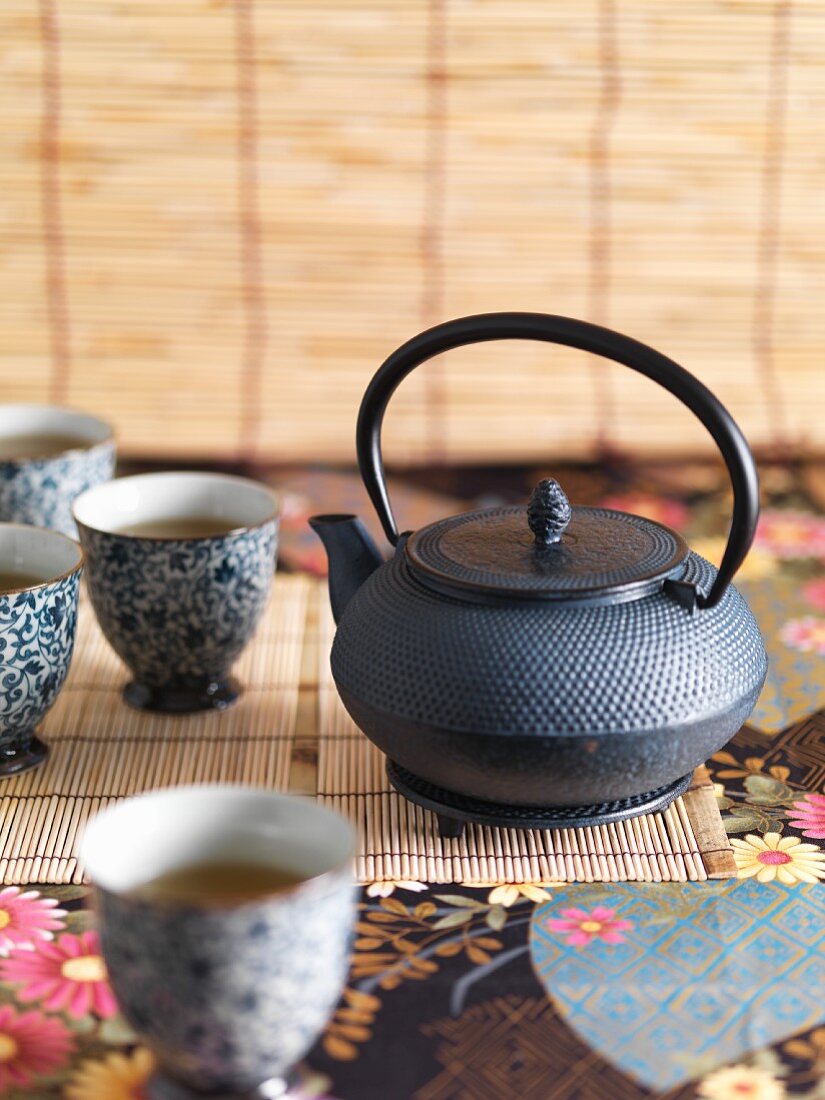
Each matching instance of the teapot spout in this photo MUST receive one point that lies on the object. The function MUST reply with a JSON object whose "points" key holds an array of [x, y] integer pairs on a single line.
{"points": [[352, 556]]}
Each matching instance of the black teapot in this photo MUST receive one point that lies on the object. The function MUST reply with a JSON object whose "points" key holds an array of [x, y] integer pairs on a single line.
{"points": [[549, 666]]}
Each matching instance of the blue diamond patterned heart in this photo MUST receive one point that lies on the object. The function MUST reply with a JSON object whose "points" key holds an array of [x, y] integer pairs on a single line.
{"points": [[668, 981]]}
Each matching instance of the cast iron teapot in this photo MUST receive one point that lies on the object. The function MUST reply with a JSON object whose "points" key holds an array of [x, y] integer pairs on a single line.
{"points": [[547, 666]]}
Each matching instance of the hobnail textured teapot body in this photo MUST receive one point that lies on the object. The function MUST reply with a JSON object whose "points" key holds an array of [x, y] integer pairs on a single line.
{"points": [[538, 705]]}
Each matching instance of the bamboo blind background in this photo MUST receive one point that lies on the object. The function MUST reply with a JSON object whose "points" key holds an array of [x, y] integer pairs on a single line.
{"points": [[218, 216], [289, 732]]}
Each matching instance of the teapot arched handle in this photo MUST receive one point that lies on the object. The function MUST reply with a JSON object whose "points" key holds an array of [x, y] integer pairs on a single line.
{"points": [[587, 337]]}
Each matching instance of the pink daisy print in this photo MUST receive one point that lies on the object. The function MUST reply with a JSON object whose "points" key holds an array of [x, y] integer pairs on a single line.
{"points": [[31, 1045], [791, 534], [807, 635], [808, 814], [66, 975], [581, 927], [814, 593], [25, 918]]}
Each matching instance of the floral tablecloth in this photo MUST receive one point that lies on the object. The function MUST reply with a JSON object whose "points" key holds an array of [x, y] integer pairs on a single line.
{"points": [[592, 992]]}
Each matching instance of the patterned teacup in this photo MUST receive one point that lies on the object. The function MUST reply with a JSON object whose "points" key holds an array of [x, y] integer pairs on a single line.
{"points": [[39, 575], [227, 995], [47, 457], [179, 568]]}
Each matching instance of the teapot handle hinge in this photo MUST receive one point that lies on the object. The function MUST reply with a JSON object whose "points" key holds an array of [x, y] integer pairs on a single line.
{"points": [[684, 592], [402, 541]]}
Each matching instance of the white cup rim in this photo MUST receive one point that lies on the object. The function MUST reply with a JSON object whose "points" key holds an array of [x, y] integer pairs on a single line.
{"points": [[100, 431], [103, 858], [47, 534], [86, 500]]}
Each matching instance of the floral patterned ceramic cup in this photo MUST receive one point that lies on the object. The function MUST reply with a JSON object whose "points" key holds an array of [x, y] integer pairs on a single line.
{"points": [[179, 610], [228, 996], [37, 630], [39, 488]]}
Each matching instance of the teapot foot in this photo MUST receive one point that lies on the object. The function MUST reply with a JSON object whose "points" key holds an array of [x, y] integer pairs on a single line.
{"points": [[449, 828], [454, 810]]}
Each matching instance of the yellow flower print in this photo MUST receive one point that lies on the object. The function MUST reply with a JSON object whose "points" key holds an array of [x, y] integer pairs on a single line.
{"points": [[509, 893], [772, 856], [385, 889], [741, 1083], [116, 1077]]}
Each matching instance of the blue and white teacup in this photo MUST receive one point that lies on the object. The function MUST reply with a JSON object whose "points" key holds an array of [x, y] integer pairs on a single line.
{"points": [[39, 577], [228, 995], [47, 457], [179, 609]]}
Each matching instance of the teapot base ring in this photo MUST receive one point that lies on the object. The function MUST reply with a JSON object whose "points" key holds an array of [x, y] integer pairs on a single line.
{"points": [[454, 810]]}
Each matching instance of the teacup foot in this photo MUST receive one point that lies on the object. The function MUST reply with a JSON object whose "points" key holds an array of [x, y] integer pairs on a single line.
{"points": [[22, 756], [161, 1087], [183, 698]]}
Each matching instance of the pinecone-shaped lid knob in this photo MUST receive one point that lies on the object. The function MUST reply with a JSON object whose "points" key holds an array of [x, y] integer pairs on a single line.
{"points": [[548, 512]]}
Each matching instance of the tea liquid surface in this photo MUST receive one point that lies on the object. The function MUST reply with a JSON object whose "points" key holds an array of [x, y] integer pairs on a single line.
{"points": [[218, 881], [11, 580], [36, 446], [181, 527]]}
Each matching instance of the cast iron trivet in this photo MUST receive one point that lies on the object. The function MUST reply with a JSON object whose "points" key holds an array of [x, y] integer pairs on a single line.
{"points": [[455, 810]]}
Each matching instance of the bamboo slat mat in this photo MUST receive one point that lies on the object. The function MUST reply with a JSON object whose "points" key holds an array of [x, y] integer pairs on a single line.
{"points": [[101, 749], [219, 218], [400, 841], [290, 731]]}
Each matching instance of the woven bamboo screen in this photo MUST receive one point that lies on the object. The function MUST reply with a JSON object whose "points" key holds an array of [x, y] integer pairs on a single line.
{"points": [[218, 216]]}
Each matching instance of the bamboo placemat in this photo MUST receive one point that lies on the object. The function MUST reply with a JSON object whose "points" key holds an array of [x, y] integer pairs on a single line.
{"points": [[290, 731], [101, 749], [399, 841]]}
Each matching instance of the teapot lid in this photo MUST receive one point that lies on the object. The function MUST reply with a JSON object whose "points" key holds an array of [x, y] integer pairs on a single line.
{"points": [[553, 552]]}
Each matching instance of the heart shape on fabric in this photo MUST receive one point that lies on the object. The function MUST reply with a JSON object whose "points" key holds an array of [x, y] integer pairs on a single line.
{"points": [[668, 981]]}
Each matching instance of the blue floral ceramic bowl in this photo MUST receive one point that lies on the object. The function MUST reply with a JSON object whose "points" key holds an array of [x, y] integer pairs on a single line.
{"points": [[38, 616], [179, 608], [47, 457], [228, 996]]}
